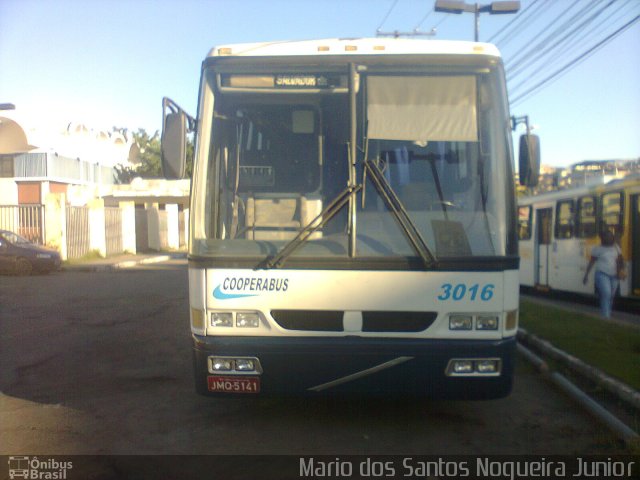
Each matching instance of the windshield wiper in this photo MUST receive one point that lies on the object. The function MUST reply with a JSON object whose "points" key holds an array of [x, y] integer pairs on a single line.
{"points": [[397, 208], [318, 222]]}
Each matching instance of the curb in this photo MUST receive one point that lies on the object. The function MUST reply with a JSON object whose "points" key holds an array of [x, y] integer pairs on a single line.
{"points": [[144, 261], [621, 390], [620, 429], [110, 267]]}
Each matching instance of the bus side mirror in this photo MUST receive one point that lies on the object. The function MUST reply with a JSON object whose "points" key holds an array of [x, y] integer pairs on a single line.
{"points": [[173, 143], [529, 160]]}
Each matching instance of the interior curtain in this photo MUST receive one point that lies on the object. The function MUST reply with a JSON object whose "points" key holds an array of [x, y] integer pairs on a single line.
{"points": [[422, 109]]}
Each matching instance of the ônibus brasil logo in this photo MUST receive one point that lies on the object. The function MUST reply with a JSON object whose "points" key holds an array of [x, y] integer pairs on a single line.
{"points": [[35, 468], [239, 287]]}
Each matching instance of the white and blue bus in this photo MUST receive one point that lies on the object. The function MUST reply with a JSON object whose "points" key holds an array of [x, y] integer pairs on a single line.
{"points": [[352, 219]]}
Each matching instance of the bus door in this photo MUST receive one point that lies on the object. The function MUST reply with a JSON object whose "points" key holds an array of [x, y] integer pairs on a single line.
{"points": [[544, 218], [635, 245]]}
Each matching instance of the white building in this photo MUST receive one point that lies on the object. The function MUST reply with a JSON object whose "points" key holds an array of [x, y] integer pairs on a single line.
{"points": [[35, 162]]}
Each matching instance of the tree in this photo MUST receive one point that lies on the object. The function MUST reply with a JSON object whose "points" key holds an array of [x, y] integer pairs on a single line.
{"points": [[146, 152], [147, 162]]}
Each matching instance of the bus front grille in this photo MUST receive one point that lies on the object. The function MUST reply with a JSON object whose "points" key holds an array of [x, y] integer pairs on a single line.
{"points": [[309, 320], [332, 321], [397, 321]]}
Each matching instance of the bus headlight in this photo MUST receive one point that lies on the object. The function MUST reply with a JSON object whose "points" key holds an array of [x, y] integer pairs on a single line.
{"points": [[487, 322], [460, 322], [247, 320], [221, 319]]}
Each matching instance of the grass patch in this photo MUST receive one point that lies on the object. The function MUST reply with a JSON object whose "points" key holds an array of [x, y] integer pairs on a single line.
{"points": [[614, 349], [87, 257]]}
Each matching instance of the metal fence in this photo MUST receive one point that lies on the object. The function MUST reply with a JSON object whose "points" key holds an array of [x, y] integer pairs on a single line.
{"points": [[29, 222], [113, 230], [77, 231], [25, 220]]}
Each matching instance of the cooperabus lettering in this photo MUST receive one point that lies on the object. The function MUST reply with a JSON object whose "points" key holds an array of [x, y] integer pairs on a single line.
{"points": [[237, 287]]}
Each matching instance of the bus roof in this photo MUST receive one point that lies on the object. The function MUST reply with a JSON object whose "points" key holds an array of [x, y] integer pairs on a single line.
{"points": [[355, 46]]}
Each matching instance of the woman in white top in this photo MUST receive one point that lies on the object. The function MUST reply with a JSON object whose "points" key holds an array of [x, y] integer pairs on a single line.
{"points": [[605, 258]]}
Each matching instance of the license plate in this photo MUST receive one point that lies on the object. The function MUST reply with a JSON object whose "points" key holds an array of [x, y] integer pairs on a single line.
{"points": [[228, 384]]}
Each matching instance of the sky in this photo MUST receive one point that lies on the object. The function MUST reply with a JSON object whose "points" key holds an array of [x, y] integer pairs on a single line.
{"points": [[108, 63]]}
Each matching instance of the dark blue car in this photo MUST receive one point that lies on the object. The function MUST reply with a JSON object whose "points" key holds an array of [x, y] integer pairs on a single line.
{"points": [[19, 256]]}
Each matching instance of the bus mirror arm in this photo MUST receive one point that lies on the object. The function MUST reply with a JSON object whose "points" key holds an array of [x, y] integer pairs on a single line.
{"points": [[176, 124]]}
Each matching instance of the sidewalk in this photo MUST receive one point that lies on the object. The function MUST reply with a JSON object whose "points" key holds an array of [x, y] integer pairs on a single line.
{"points": [[123, 261], [618, 317]]}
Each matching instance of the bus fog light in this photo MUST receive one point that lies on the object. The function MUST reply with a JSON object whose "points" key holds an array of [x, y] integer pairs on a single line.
{"points": [[245, 365], [247, 320], [222, 319], [488, 366], [221, 364], [460, 322], [487, 322], [462, 366]]}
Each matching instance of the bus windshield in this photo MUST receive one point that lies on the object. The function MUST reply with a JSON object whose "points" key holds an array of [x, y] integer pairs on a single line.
{"points": [[278, 155]]}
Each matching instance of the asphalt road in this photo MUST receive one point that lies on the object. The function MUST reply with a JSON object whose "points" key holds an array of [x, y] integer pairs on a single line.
{"points": [[100, 363]]}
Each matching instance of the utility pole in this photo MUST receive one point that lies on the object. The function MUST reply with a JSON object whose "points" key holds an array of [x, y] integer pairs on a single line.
{"points": [[493, 8]]}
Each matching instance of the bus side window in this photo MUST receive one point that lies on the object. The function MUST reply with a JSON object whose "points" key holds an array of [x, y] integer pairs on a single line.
{"points": [[564, 219], [524, 222], [586, 226], [612, 213]]}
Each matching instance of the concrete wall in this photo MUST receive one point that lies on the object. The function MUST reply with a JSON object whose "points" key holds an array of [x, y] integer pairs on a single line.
{"points": [[8, 192], [128, 226], [55, 223], [97, 238]]}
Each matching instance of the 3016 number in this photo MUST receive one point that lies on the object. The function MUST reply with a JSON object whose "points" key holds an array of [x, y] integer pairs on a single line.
{"points": [[472, 292]]}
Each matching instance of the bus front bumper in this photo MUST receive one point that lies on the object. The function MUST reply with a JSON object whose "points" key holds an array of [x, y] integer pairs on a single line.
{"points": [[434, 368]]}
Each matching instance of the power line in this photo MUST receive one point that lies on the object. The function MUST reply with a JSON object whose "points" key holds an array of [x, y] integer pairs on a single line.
{"points": [[419, 24], [576, 61], [384, 19], [549, 43], [607, 24], [542, 61], [442, 20], [515, 21], [524, 52]]}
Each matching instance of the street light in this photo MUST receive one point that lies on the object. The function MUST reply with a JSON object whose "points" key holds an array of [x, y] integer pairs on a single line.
{"points": [[494, 8]]}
